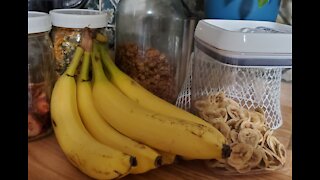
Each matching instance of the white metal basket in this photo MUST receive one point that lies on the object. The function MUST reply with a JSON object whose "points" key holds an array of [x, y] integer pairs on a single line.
{"points": [[251, 87]]}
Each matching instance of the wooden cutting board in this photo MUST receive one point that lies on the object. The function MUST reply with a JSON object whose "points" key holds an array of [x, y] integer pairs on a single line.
{"points": [[47, 161]]}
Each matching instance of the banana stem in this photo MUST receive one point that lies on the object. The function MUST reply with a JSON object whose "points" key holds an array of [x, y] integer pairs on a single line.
{"points": [[84, 73], [107, 61], [75, 62], [98, 73]]}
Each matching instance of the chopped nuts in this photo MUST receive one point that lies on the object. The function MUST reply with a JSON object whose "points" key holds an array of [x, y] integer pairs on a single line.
{"points": [[150, 68]]}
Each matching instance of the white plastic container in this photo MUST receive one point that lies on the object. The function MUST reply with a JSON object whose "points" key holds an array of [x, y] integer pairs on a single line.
{"points": [[243, 59]]}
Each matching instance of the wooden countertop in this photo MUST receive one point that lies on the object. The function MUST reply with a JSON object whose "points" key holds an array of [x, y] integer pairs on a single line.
{"points": [[47, 161]]}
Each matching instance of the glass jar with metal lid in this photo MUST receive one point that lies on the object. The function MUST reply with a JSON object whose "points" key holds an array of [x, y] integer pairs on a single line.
{"points": [[41, 76], [68, 25]]}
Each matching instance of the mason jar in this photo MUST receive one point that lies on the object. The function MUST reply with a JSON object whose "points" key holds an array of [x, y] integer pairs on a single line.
{"points": [[148, 44], [67, 28], [41, 76]]}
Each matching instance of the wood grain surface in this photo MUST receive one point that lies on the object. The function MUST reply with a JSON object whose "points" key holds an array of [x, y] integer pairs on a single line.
{"points": [[47, 161]]}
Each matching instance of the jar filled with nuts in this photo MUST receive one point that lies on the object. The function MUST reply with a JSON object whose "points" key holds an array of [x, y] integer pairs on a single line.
{"points": [[148, 44], [66, 33]]}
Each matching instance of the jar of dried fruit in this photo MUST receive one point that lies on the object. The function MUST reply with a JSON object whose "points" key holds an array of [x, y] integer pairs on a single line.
{"points": [[41, 76], [148, 44], [68, 26]]}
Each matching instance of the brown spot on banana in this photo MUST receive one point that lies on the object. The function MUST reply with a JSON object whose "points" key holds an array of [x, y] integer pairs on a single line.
{"points": [[100, 172], [106, 156], [133, 161], [158, 161], [54, 123], [226, 151], [70, 75], [117, 172]]}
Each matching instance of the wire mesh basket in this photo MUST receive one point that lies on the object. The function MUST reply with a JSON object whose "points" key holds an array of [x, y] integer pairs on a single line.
{"points": [[251, 87], [242, 59]]}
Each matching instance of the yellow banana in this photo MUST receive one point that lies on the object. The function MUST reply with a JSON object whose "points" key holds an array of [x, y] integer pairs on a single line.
{"points": [[81, 149], [147, 158], [142, 96], [176, 136]]}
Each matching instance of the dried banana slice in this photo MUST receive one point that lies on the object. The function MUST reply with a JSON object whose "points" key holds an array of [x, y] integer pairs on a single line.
{"points": [[251, 141], [246, 168], [211, 98], [270, 160], [259, 110], [236, 112], [212, 113], [272, 143], [215, 120], [266, 159], [282, 153], [232, 102], [232, 123], [256, 118], [265, 136], [201, 105], [247, 124], [212, 163], [249, 136], [256, 157], [216, 113], [233, 136], [246, 114], [230, 168], [217, 98], [240, 155], [222, 127], [277, 148], [238, 124]]}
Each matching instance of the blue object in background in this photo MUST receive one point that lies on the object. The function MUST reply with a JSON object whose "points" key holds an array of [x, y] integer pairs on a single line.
{"points": [[241, 9]]}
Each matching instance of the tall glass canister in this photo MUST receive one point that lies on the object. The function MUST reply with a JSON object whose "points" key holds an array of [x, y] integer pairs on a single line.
{"points": [[148, 44]]}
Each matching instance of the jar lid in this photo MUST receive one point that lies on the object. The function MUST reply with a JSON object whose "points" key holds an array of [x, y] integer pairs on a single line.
{"points": [[38, 22], [245, 36], [78, 18]]}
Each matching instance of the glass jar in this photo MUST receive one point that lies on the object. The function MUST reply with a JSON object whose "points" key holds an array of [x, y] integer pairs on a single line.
{"points": [[149, 39], [68, 25], [41, 76]]}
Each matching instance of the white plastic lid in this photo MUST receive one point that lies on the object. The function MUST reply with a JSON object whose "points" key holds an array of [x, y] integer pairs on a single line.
{"points": [[245, 36], [38, 22], [78, 18]]}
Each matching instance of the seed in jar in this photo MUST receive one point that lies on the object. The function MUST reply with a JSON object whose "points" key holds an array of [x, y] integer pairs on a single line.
{"points": [[162, 57], [148, 69], [150, 53]]}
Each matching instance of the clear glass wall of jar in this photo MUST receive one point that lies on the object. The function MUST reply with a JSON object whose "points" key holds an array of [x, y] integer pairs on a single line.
{"points": [[149, 39], [66, 33], [41, 76]]}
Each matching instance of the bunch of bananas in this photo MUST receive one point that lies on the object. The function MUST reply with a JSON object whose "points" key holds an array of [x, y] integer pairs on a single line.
{"points": [[109, 126]]}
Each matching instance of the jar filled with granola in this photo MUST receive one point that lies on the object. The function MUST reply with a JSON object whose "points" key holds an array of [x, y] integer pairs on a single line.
{"points": [[68, 26], [41, 75], [149, 39]]}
